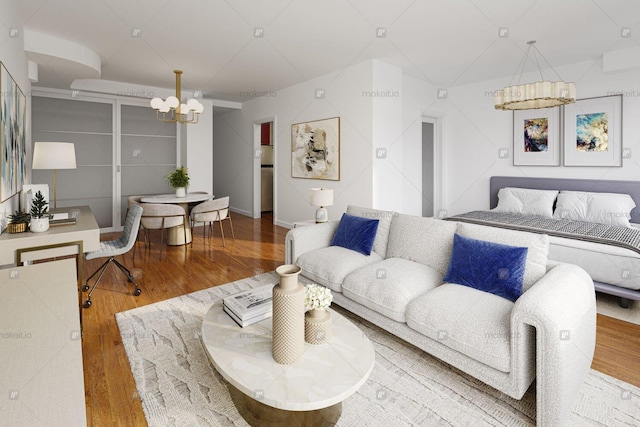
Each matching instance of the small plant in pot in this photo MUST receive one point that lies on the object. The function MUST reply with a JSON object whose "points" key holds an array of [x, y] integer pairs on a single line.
{"points": [[179, 179], [39, 214], [18, 222]]}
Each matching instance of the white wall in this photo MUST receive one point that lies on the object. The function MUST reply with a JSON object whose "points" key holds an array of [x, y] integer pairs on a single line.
{"points": [[13, 57], [475, 132], [342, 97], [197, 150]]}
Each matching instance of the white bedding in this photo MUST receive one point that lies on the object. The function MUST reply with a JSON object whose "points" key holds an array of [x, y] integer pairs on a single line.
{"points": [[604, 263]]}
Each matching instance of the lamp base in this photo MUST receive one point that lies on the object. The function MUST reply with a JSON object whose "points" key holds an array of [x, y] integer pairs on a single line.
{"points": [[322, 215]]}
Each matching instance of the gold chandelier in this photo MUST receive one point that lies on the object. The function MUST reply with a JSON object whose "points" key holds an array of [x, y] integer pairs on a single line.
{"points": [[530, 96], [172, 110]]}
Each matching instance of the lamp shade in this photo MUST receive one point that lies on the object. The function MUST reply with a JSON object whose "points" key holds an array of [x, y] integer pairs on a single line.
{"points": [[321, 197], [54, 155]]}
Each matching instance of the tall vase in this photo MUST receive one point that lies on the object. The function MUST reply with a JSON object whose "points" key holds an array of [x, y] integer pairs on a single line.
{"points": [[288, 316]]}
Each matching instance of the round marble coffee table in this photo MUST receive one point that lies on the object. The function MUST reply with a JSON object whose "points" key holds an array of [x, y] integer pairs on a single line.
{"points": [[308, 392]]}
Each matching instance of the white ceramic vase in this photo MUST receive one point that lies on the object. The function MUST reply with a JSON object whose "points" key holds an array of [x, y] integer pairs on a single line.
{"points": [[288, 316], [317, 326], [38, 225], [181, 192]]}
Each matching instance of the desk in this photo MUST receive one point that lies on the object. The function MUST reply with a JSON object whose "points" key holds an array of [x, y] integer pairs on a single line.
{"points": [[175, 235], [85, 230], [41, 349]]}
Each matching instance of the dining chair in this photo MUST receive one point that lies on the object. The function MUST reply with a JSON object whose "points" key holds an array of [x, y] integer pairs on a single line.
{"points": [[160, 216], [210, 211], [112, 249]]}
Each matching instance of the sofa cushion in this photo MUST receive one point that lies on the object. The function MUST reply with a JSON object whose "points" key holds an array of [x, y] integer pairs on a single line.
{"points": [[356, 233], [384, 222], [388, 286], [329, 266], [424, 240], [487, 266], [537, 245], [470, 321]]}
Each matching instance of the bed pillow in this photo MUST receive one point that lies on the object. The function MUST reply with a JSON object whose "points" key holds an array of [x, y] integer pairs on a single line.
{"points": [[603, 208], [356, 233], [487, 266], [526, 201]]}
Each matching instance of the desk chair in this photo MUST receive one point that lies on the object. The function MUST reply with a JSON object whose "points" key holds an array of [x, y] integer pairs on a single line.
{"points": [[210, 211], [113, 248]]}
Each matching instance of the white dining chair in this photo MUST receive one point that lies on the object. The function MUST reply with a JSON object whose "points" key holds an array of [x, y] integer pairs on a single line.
{"points": [[160, 216], [210, 211]]}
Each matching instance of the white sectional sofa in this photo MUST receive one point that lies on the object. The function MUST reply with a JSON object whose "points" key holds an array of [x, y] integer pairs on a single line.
{"points": [[548, 333]]}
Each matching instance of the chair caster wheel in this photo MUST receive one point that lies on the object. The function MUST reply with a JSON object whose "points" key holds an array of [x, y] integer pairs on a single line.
{"points": [[87, 303], [137, 292], [85, 288]]}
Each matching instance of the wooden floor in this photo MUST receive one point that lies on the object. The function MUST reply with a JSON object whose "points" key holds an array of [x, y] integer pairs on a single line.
{"points": [[111, 396]]}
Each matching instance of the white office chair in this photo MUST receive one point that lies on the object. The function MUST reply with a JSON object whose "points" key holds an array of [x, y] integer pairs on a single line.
{"points": [[113, 248], [210, 211]]}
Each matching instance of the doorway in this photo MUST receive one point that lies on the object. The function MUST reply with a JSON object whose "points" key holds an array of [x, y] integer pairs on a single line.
{"points": [[264, 167], [432, 166]]}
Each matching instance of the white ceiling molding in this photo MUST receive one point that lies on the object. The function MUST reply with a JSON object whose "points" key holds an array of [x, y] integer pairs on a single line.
{"points": [[72, 57], [621, 59]]}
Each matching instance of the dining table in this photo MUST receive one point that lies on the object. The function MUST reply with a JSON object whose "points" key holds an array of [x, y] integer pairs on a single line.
{"points": [[175, 235]]}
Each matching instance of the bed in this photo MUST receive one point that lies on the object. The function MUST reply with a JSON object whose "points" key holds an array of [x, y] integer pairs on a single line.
{"points": [[612, 262]]}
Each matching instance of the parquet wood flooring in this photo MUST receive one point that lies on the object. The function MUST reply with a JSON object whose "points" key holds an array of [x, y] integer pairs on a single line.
{"points": [[111, 397]]}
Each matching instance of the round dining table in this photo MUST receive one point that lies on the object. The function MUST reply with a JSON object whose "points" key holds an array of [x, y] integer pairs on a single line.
{"points": [[175, 235]]}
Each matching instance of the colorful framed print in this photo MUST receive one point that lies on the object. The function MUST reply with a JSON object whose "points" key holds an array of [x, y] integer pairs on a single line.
{"points": [[536, 137], [593, 132], [315, 149], [13, 148]]}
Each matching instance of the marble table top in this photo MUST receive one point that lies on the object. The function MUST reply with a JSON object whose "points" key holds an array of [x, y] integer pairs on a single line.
{"points": [[171, 198], [325, 375]]}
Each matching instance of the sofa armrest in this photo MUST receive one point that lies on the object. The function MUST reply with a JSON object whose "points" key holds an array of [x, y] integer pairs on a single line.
{"points": [[562, 308], [304, 239]]}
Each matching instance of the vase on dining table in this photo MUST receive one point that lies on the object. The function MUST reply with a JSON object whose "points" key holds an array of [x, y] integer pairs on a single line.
{"points": [[181, 192]]}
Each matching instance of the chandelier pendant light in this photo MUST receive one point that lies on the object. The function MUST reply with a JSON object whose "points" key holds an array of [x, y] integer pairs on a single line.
{"points": [[530, 96], [172, 110]]}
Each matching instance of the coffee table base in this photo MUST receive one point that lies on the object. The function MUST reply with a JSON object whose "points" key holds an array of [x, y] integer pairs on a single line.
{"points": [[257, 413]]}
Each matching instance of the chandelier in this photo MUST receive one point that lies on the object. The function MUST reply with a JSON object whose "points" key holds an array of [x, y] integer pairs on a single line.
{"points": [[172, 110], [529, 96]]}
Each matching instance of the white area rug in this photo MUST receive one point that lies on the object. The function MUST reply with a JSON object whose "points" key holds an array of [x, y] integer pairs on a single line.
{"points": [[608, 305], [179, 387]]}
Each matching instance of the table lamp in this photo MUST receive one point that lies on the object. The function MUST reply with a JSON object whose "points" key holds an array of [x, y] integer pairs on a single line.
{"points": [[321, 197], [54, 155]]}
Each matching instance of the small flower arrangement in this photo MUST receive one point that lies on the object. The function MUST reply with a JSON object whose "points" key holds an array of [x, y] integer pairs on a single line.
{"points": [[317, 297]]}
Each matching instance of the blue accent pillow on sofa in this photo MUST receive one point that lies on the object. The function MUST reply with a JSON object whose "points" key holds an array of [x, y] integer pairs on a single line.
{"points": [[487, 266], [356, 233]]}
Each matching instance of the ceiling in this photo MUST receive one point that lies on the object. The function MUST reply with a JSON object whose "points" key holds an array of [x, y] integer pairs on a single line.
{"points": [[235, 50]]}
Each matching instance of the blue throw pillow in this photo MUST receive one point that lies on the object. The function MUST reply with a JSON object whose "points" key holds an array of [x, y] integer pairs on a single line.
{"points": [[356, 233], [487, 266]]}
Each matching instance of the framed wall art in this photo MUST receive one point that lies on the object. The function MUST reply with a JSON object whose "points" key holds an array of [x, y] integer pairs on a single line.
{"points": [[13, 148], [315, 149], [593, 132], [536, 137]]}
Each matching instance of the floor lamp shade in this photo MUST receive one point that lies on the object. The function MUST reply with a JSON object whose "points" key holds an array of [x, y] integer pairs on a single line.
{"points": [[54, 155], [321, 197]]}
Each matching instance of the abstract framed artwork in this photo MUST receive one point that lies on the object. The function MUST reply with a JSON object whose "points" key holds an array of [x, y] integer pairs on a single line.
{"points": [[536, 137], [593, 132], [13, 147], [315, 149]]}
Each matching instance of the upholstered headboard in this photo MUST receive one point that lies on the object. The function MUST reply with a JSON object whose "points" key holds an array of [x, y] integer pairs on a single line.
{"points": [[631, 188]]}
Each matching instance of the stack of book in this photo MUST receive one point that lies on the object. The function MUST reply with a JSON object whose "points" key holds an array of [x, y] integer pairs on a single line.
{"points": [[251, 306]]}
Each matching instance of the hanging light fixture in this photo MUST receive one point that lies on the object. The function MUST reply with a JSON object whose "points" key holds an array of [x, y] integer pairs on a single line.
{"points": [[173, 110], [529, 96]]}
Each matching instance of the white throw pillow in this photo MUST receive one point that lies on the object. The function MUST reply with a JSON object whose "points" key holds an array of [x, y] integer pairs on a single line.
{"points": [[526, 201], [603, 208]]}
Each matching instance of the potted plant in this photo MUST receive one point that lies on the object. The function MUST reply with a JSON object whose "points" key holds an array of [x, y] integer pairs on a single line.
{"points": [[39, 214], [179, 179], [18, 222]]}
